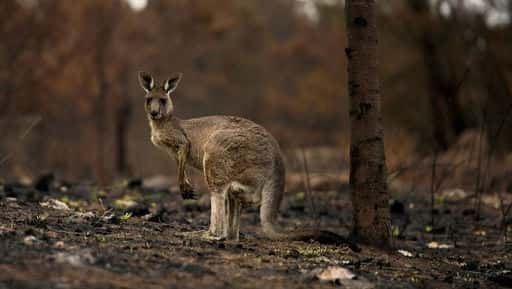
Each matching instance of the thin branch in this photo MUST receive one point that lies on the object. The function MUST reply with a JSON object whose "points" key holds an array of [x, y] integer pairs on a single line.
{"points": [[22, 136], [30, 127], [307, 184], [433, 188]]}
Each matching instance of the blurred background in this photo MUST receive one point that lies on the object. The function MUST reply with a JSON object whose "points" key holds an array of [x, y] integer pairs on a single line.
{"points": [[70, 103]]}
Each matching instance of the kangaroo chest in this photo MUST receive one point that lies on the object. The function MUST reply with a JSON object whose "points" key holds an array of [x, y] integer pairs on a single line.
{"points": [[173, 140], [169, 141], [157, 139]]}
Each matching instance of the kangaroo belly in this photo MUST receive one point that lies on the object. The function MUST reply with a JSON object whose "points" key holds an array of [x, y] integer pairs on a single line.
{"points": [[232, 155]]}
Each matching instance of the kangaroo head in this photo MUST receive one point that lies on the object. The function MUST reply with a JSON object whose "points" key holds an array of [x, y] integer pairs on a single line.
{"points": [[158, 97]]}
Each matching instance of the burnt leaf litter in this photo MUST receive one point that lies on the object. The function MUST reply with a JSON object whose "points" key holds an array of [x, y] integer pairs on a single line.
{"points": [[58, 234]]}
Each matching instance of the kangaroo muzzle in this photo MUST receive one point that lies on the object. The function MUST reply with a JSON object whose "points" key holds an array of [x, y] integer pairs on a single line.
{"points": [[154, 110]]}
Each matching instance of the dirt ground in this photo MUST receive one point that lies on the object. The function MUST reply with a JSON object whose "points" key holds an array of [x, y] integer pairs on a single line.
{"points": [[55, 234]]}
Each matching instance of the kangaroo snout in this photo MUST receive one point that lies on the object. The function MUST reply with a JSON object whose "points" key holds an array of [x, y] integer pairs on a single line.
{"points": [[154, 114]]}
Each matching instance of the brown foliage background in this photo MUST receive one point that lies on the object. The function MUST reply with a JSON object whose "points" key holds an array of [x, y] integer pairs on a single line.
{"points": [[70, 103]]}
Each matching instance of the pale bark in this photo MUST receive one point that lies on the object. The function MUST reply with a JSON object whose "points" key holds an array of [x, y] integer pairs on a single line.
{"points": [[371, 219]]}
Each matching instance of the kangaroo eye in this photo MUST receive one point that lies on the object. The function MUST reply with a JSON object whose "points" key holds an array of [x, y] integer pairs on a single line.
{"points": [[162, 101], [148, 100]]}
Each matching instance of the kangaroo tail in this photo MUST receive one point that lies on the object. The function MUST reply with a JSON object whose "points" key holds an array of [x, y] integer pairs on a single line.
{"points": [[308, 235], [270, 201]]}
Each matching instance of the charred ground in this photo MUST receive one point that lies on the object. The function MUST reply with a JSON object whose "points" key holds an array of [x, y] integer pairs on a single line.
{"points": [[61, 235]]}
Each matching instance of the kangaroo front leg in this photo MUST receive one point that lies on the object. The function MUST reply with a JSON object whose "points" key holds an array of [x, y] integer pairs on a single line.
{"points": [[187, 191]]}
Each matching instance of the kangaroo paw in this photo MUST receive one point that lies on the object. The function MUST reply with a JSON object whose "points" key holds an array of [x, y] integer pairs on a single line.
{"points": [[187, 191]]}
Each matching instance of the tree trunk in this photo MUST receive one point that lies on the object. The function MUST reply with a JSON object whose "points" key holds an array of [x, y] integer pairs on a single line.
{"points": [[104, 30], [100, 114], [371, 219], [448, 119], [447, 115]]}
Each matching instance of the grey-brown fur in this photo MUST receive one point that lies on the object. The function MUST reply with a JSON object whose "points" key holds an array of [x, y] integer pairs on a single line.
{"points": [[241, 162]]}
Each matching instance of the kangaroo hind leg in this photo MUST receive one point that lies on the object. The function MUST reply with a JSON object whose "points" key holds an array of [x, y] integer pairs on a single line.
{"points": [[235, 193], [217, 216]]}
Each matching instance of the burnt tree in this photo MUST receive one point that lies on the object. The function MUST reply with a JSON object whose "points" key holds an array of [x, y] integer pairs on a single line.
{"points": [[371, 219]]}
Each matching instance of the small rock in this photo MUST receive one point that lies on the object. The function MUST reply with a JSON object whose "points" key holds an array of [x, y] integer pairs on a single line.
{"points": [[30, 240], [335, 273], [81, 259], [59, 245]]}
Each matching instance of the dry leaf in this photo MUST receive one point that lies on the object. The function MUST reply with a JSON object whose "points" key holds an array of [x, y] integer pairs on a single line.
{"points": [[405, 253], [436, 245], [55, 204]]}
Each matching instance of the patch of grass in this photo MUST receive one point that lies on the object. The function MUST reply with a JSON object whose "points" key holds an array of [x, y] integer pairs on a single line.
{"points": [[100, 239], [395, 231], [439, 200], [299, 196], [314, 250], [125, 217]]}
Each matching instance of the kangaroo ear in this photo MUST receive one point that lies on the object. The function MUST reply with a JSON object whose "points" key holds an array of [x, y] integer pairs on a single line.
{"points": [[146, 81], [171, 83]]}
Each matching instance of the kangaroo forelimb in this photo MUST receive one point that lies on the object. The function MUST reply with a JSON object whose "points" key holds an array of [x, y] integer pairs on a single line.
{"points": [[187, 191]]}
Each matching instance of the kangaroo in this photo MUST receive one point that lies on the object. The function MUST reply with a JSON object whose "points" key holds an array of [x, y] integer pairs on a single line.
{"points": [[241, 162]]}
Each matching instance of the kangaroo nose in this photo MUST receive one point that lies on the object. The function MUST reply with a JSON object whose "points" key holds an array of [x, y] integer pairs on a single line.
{"points": [[154, 113]]}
